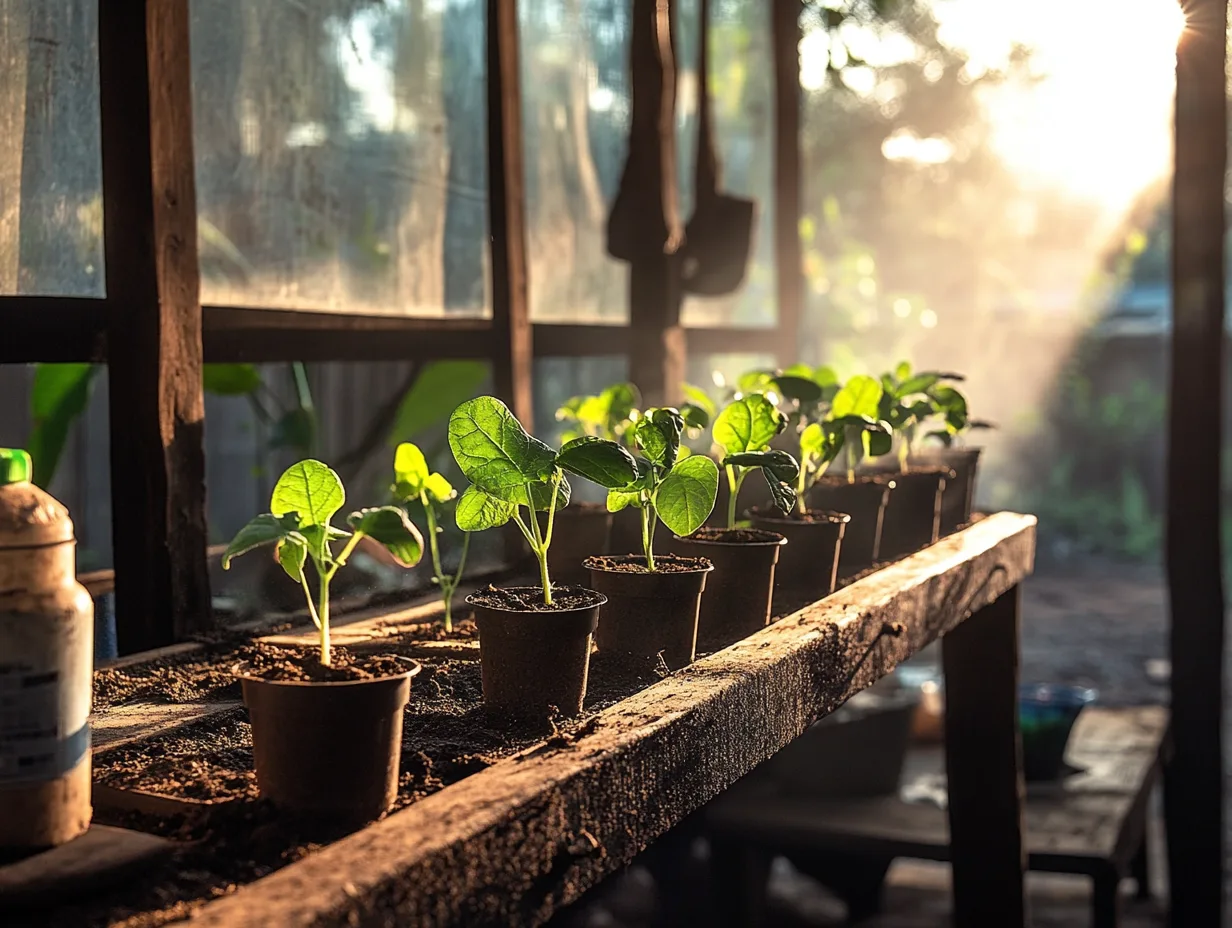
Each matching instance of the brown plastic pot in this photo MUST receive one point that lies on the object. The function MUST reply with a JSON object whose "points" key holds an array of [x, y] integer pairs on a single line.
{"points": [[913, 511], [535, 664], [626, 531], [328, 751], [865, 501], [739, 593], [808, 564], [649, 613], [958, 500], [578, 531]]}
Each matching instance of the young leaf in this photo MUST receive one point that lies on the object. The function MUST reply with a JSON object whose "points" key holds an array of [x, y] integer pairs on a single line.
{"points": [[754, 381], [263, 530], [699, 398], [747, 424], [477, 511], [658, 435], [820, 442], [860, 396], [620, 400], [599, 461], [695, 418], [826, 376], [311, 489], [439, 489], [779, 463], [783, 493], [230, 379], [902, 371], [410, 467], [390, 526], [920, 383], [493, 450], [292, 554], [685, 498], [620, 499], [541, 495], [801, 389], [878, 440]]}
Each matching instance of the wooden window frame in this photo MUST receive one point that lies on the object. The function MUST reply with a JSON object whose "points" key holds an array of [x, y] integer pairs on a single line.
{"points": [[154, 333]]}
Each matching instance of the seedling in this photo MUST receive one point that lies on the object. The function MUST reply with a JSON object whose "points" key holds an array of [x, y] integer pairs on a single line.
{"points": [[956, 421], [907, 400], [744, 430], [608, 414], [511, 471], [671, 486], [306, 497], [413, 481]]}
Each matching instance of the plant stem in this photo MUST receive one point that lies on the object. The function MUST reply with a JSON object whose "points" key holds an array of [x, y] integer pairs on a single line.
{"points": [[802, 484], [435, 548], [736, 481], [455, 581], [648, 536], [323, 613]]}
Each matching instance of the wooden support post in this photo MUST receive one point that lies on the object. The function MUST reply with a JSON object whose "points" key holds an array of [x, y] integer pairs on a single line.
{"points": [[788, 261], [154, 323], [513, 371], [983, 759], [1194, 781], [658, 350]]}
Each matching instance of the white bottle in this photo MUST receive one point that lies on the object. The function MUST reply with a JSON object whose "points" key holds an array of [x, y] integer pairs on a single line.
{"points": [[46, 668]]}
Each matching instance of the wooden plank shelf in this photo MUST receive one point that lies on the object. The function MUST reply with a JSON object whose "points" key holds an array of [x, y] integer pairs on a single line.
{"points": [[513, 843]]}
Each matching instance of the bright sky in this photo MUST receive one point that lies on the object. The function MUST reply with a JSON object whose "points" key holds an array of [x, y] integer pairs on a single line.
{"points": [[1098, 124]]}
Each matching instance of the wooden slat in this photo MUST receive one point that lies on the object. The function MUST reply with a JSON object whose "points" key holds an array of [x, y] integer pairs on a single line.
{"points": [[512, 364], [234, 333], [983, 760], [154, 317], [788, 265], [510, 845], [52, 328], [1194, 779]]}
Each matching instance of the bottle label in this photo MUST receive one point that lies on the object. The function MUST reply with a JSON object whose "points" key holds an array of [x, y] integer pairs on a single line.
{"points": [[34, 746]]}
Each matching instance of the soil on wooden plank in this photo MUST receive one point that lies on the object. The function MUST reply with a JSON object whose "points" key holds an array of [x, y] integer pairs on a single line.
{"points": [[447, 736]]}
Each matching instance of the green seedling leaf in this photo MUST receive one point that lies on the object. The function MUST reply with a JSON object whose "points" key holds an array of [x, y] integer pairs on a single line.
{"points": [[390, 526], [599, 461], [778, 467], [440, 386], [695, 418], [493, 450], [783, 494], [748, 424], [658, 435], [701, 399], [230, 379], [292, 554], [902, 371], [921, 383], [296, 430], [878, 440], [410, 467], [754, 381], [826, 376], [58, 398], [265, 529], [439, 489], [685, 498], [622, 499], [541, 495], [621, 399], [860, 396], [477, 510], [800, 389], [311, 489]]}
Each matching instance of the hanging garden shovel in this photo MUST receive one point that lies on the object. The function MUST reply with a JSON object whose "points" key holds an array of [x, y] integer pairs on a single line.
{"points": [[719, 235]]}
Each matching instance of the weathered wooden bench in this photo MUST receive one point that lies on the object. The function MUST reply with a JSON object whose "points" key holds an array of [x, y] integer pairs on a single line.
{"points": [[517, 841]]}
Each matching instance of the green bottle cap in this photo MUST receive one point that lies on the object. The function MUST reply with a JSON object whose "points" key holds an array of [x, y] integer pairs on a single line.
{"points": [[15, 466]]}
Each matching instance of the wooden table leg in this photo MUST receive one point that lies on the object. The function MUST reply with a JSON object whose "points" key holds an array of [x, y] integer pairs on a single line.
{"points": [[983, 759], [1106, 901], [1141, 868]]}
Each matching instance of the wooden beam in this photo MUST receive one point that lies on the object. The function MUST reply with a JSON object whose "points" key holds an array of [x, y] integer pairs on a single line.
{"points": [[513, 358], [983, 760], [261, 335], [659, 347], [52, 328], [516, 842], [788, 261], [1194, 800], [154, 323]]}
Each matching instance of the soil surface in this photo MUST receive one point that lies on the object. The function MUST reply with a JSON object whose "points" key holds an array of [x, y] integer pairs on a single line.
{"points": [[303, 665], [636, 564], [530, 598], [232, 836], [734, 536]]}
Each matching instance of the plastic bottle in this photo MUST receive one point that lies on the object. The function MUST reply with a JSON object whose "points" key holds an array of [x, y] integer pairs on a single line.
{"points": [[46, 668]]}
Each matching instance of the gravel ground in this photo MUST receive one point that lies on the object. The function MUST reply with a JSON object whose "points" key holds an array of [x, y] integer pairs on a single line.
{"points": [[1089, 622]]}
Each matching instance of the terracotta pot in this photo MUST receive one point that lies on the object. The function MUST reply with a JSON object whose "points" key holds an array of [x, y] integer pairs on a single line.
{"points": [[328, 751], [865, 501], [808, 564], [649, 614], [913, 511], [535, 664], [579, 531], [739, 593], [958, 500]]}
